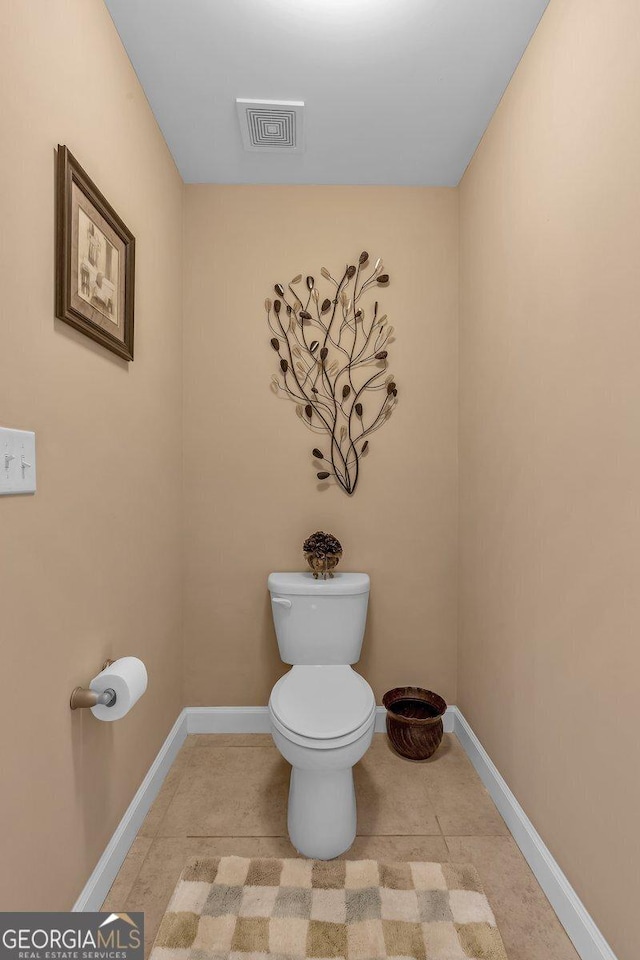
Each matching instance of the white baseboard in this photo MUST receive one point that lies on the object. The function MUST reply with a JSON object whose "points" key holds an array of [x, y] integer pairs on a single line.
{"points": [[256, 720], [99, 883], [571, 912], [227, 719], [573, 915]]}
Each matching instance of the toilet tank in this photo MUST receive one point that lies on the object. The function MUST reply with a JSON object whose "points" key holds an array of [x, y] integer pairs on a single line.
{"points": [[319, 621]]}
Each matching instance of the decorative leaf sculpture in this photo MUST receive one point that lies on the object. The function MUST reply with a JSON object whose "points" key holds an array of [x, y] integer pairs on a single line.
{"points": [[340, 370]]}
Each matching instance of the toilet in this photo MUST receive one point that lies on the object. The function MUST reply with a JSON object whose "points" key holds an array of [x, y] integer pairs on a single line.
{"points": [[322, 712]]}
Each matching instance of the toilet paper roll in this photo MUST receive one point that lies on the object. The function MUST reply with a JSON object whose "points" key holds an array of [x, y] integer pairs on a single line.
{"points": [[128, 677]]}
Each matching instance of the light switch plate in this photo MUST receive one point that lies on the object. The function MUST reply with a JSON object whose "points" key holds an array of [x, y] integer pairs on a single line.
{"points": [[17, 461]]}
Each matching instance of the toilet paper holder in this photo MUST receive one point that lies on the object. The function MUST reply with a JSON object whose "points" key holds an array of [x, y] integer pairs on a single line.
{"points": [[84, 697]]}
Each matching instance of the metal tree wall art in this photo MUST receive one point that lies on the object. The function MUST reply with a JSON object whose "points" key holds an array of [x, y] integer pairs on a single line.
{"points": [[334, 362]]}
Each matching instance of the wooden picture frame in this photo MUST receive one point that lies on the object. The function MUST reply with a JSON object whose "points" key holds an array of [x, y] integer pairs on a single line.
{"points": [[95, 261]]}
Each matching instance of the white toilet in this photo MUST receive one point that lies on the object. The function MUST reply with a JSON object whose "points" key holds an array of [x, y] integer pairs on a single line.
{"points": [[322, 712]]}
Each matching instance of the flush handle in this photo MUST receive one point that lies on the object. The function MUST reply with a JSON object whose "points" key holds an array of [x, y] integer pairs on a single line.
{"points": [[281, 601]]}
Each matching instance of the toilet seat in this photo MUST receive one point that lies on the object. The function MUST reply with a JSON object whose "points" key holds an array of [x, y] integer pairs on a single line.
{"points": [[322, 706]]}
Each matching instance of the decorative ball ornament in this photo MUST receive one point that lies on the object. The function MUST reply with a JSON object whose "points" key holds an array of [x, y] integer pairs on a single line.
{"points": [[322, 552]]}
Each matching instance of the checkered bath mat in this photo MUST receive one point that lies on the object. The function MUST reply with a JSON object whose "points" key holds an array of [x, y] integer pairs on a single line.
{"points": [[240, 909]]}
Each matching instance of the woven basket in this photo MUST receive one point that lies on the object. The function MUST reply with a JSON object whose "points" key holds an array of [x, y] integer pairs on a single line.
{"points": [[414, 721]]}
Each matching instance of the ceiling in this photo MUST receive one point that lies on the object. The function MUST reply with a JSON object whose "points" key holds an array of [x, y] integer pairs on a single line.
{"points": [[395, 92]]}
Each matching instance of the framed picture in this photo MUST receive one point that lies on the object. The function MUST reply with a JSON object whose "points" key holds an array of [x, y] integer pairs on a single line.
{"points": [[95, 261]]}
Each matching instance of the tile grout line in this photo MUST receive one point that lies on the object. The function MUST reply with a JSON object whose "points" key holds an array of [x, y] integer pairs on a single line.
{"points": [[154, 836], [448, 848], [283, 836], [142, 862]]}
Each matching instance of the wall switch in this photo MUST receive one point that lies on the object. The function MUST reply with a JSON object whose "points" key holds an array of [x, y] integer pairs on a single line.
{"points": [[17, 461]]}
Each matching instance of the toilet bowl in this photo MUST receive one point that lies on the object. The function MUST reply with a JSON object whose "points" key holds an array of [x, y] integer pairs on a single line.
{"points": [[322, 712], [322, 723]]}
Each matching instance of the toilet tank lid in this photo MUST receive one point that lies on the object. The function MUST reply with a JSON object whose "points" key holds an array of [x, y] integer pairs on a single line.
{"points": [[303, 584]]}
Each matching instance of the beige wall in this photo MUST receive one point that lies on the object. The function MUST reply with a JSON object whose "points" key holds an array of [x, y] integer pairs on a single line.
{"points": [[250, 491], [90, 566], [550, 448]]}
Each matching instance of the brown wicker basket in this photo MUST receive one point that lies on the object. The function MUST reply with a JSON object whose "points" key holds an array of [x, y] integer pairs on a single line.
{"points": [[414, 721]]}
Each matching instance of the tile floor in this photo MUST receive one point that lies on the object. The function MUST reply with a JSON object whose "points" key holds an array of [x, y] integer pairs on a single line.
{"points": [[227, 794]]}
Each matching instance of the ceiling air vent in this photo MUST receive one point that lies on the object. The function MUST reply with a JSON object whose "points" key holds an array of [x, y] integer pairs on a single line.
{"points": [[273, 126]]}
